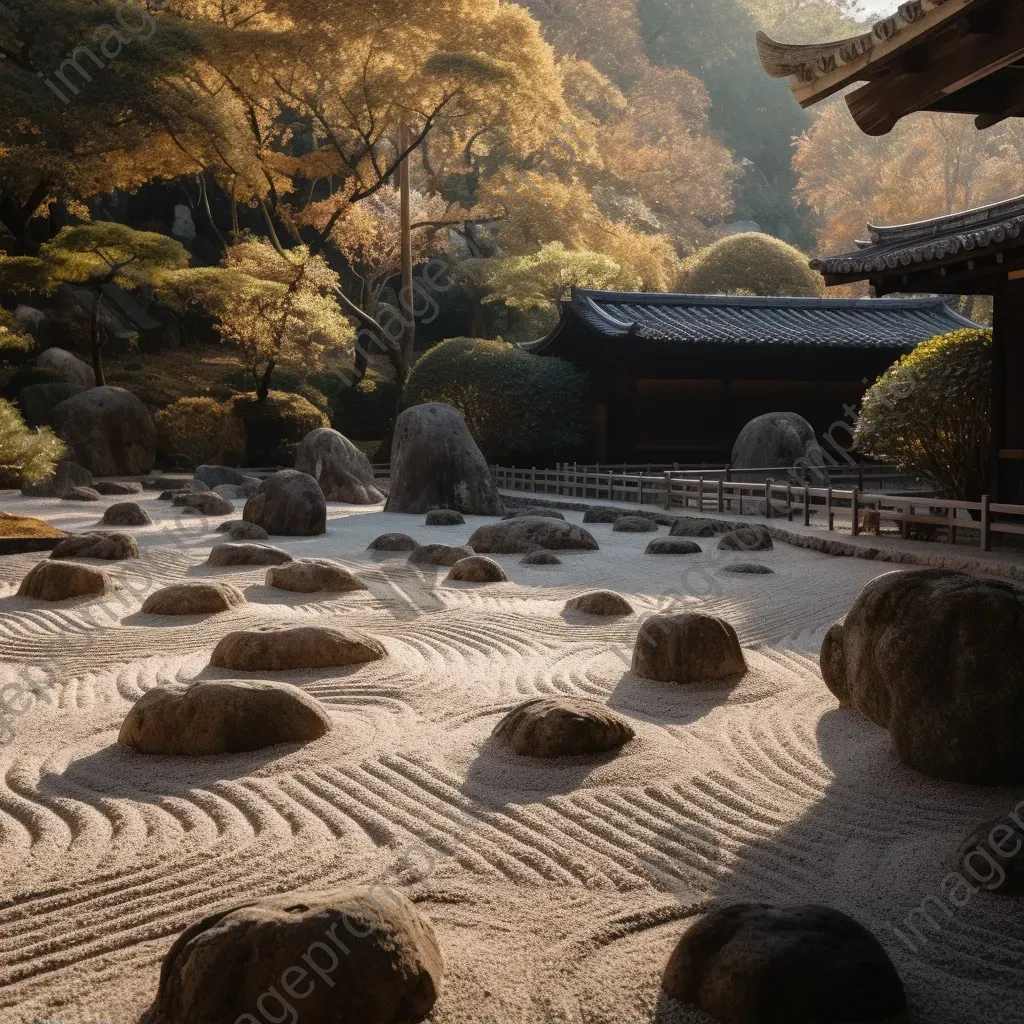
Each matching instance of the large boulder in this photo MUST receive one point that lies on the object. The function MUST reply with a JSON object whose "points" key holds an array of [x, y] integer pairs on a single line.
{"points": [[65, 476], [198, 597], [694, 526], [776, 439], [81, 494], [108, 430], [672, 546], [937, 658], [562, 727], [750, 962], [254, 650], [126, 513], [58, 581], [343, 472], [37, 401], [222, 717], [113, 547], [526, 533], [313, 575], [436, 463], [68, 367], [372, 958], [690, 647], [288, 503]]}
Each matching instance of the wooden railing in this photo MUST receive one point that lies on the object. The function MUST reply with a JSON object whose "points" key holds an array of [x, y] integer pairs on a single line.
{"points": [[862, 511]]}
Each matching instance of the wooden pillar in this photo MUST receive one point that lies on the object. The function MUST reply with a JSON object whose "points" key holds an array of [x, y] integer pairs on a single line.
{"points": [[1007, 484]]}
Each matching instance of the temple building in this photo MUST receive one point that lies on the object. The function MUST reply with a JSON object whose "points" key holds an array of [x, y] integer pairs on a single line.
{"points": [[675, 377], [958, 56]]}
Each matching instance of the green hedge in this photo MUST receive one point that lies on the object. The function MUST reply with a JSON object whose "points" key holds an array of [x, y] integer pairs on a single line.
{"points": [[519, 407], [363, 412], [751, 264]]}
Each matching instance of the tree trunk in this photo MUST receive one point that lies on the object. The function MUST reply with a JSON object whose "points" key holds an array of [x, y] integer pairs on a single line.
{"points": [[406, 299], [263, 387], [95, 342]]}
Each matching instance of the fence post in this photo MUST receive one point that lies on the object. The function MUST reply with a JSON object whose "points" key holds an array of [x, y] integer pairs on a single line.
{"points": [[986, 534], [828, 508], [807, 505], [700, 494], [855, 512], [721, 494], [789, 501], [727, 478], [640, 490], [860, 477], [668, 490], [768, 484]]}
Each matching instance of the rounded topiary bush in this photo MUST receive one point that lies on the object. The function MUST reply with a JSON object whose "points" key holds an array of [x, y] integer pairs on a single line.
{"points": [[205, 430], [751, 264], [517, 406], [931, 413], [274, 428]]}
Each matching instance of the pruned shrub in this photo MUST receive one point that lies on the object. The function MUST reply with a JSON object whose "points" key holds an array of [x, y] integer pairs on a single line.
{"points": [[26, 455], [366, 410], [205, 430], [750, 264], [517, 406], [273, 428], [931, 413]]}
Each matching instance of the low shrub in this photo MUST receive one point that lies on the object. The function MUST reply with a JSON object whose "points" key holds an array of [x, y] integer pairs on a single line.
{"points": [[26, 455], [205, 430], [519, 407], [750, 264], [274, 428], [931, 412], [284, 380]]}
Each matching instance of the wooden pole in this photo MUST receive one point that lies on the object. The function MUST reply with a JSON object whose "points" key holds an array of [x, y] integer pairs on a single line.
{"points": [[986, 535], [408, 320]]}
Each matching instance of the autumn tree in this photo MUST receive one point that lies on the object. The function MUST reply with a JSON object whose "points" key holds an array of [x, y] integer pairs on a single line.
{"points": [[268, 304], [95, 257]]}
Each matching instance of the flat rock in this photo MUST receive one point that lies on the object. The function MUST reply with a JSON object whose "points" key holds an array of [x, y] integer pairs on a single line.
{"points": [[213, 476], [697, 527], [751, 962], [672, 546], [222, 717], [444, 517], [393, 542], [602, 515], [749, 537], [117, 488], [66, 474], [634, 524], [343, 472], [288, 503], [58, 581], [387, 971], [126, 513], [546, 513], [302, 647], [312, 575], [113, 547], [937, 658], [206, 503], [526, 533], [992, 856], [435, 463], [540, 557], [247, 553], [238, 529], [600, 602], [237, 492], [80, 494], [477, 569], [201, 597], [563, 727], [690, 647], [439, 554], [748, 568]]}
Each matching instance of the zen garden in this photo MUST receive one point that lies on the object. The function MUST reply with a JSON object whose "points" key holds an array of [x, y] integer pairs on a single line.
{"points": [[511, 512]]}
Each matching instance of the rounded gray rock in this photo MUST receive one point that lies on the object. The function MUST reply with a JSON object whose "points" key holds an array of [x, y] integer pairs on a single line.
{"points": [[343, 472], [540, 557], [439, 554], [749, 537], [776, 439], [289, 504], [108, 431], [206, 503], [600, 602], [126, 513], [444, 517], [59, 581], [247, 553], [112, 547], [672, 546], [393, 542], [690, 647], [477, 569], [197, 597], [634, 524], [563, 727], [526, 533], [313, 575]]}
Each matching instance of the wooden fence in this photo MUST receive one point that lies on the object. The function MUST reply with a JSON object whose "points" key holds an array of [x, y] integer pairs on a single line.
{"points": [[861, 511]]}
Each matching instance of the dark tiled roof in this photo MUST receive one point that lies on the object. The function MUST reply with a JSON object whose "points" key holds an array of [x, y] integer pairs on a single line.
{"points": [[943, 240], [751, 320]]}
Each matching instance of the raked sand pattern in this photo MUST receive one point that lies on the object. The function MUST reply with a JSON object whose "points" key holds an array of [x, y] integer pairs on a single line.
{"points": [[557, 889]]}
